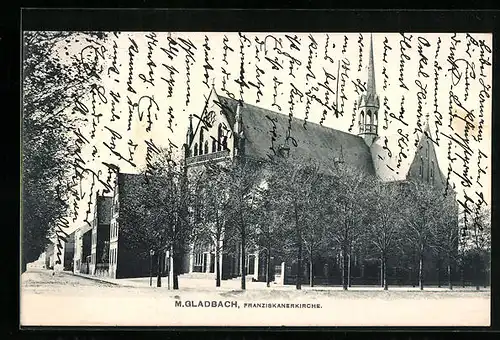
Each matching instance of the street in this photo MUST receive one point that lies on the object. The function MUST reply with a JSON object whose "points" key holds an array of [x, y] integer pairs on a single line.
{"points": [[64, 299]]}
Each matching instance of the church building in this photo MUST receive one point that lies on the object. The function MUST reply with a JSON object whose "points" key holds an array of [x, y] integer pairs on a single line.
{"points": [[228, 129]]}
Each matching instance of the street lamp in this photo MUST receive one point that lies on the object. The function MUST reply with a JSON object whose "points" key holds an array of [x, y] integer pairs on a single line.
{"points": [[151, 253]]}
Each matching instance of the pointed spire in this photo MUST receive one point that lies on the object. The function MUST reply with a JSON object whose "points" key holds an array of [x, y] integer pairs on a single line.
{"points": [[191, 122], [370, 84], [189, 133]]}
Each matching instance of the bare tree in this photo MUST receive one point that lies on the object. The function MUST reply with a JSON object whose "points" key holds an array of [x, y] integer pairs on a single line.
{"points": [[384, 226], [446, 234], [348, 213], [294, 184], [213, 206], [156, 216], [478, 240], [422, 211], [242, 179]]}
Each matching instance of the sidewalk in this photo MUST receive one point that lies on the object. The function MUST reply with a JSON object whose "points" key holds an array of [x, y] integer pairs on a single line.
{"points": [[202, 284]]}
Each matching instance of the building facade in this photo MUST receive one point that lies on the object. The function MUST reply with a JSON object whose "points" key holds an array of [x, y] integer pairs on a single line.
{"points": [[228, 129]]}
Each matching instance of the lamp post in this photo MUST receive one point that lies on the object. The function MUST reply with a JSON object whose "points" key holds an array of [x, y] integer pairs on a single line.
{"points": [[151, 253]]}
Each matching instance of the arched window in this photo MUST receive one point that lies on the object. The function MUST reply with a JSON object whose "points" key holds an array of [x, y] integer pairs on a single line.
{"points": [[362, 121], [195, 149], [224, 142], [214, 145], [219, 137], [201, 141], [369, 117], [206, 147]]}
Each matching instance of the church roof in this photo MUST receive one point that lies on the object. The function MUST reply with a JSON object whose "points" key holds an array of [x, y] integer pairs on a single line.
{"points": [[321, 144]]}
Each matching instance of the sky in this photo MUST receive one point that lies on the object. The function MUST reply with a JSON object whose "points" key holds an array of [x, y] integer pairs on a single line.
{"points": [[151, 82]]}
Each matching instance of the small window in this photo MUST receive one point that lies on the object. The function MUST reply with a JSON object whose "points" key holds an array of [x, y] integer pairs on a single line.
{"points": [[206, 148], [219, 137], [224, 142], [196, 149], [201, 141], [214, 145]]}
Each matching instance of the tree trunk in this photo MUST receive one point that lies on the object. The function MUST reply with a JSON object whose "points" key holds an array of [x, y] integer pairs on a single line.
{"points": [[243, 258], [462, 278], [311, 272], [349, 271], [298, 277], [175, 267], [384, 273], [345, 268], [477, 271], [438, 269], [381, 271], [217, 266], [450, 280], [421, 272], [268, 268], [159, 271]]}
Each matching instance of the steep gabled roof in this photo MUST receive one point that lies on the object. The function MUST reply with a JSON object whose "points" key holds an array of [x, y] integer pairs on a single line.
{"points": [[321, 144]]}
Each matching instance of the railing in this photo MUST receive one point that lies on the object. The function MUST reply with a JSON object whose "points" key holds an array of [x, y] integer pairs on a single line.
{"points": [[102, 269], [368, 128], [208, 156]]}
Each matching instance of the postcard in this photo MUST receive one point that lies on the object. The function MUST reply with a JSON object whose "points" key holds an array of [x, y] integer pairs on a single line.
{"points": [[256, 178]]}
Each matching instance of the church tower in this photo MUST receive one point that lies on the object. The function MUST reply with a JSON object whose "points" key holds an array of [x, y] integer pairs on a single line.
{"points": [[368, 105]]}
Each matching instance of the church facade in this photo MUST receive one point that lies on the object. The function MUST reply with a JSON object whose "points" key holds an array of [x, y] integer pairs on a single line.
{"points": [[228, 129]]}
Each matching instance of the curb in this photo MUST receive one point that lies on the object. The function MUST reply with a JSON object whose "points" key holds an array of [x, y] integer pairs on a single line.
{"points": [[92, 278]]}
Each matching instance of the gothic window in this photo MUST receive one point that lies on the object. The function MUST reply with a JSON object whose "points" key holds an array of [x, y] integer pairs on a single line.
{"points": [[362, 122], [214, 145], [369, 117], [219, 137], [196, 149], [421, 168], [205, 151], [201, 141], [224, 142]]}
